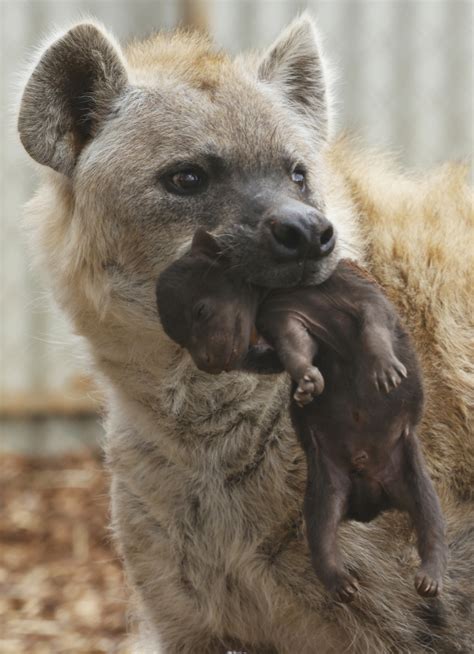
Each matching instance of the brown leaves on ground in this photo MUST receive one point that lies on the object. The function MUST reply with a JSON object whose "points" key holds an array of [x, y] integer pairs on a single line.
{"points": [[61, 585]]}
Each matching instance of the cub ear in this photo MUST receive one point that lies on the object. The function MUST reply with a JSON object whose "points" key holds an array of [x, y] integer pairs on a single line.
{"points": [[293, 65], [73, 85], [205, 243]]}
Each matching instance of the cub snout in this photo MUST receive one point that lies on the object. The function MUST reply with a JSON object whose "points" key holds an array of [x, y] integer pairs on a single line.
{"points": [[217, 354]]}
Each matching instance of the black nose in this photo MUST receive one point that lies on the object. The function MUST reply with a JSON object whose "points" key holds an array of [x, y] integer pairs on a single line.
{"points": [[297, 231]]}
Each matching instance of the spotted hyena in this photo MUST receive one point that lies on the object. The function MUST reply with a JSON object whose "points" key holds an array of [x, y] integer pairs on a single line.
{"points": [[137, 148]]}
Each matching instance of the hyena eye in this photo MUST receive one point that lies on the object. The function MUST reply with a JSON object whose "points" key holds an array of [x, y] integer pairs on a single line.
{"points": [[188, 181], [298, 176]]}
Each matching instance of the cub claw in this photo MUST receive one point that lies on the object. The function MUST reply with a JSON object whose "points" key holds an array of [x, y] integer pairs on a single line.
{"points": [[389, 374], [345, 588], [311, 384], [426, 585]]}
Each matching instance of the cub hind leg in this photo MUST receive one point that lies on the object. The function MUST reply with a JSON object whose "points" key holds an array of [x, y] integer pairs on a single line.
{"points": [[325, 504], [414, 492]]}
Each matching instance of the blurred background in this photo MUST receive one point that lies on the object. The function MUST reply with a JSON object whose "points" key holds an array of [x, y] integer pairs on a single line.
{"points": [[405, 84]]}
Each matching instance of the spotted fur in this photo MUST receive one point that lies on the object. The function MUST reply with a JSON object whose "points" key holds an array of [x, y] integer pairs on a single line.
{"points": [[207, 476]]}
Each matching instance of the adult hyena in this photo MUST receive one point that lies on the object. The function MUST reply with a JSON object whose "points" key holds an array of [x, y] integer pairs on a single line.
{"points": [[137, 148]]}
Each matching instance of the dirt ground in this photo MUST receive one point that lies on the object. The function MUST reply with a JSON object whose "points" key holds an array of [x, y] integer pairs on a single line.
{"points": [[61, 585]]}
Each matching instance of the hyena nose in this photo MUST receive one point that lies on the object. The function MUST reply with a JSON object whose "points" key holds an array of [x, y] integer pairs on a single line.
{"points": [[298, 232]]}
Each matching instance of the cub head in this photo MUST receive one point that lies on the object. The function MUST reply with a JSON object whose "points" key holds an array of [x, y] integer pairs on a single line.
{"points": [[205, 308]]}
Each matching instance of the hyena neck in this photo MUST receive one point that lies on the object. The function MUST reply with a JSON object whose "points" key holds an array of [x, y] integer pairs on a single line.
{"points": [[181, 409]]}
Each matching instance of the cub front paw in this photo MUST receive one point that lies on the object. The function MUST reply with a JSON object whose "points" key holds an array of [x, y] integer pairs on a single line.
{"points": [[388, 374], [311, 384]]}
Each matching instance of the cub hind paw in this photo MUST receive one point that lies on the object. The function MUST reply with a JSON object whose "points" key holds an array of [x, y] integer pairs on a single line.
{"points": [[344, 588], [427, 585]]}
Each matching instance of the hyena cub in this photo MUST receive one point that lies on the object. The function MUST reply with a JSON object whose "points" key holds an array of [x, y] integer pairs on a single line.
{"points": [[355, 413]]}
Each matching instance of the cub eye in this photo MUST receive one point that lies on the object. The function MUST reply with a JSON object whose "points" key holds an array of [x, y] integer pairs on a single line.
{"points": [[298, 176], [188, 181], [201, 311]]}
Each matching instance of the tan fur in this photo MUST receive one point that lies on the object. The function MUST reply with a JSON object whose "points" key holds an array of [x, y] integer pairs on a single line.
{"points": [[420, 233], [189, 55], [207, 474]]}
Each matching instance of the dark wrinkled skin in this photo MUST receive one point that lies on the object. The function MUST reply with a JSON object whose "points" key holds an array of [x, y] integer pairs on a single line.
{"points": [[355, 413]]}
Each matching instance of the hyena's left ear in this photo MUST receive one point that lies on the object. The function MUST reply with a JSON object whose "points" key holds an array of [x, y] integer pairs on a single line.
{"points": [[294, 67], [68, 94]]}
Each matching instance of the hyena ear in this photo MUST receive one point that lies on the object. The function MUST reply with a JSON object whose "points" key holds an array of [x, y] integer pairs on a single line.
{"points": [[71, 88], [293, 65], [205, 243]]}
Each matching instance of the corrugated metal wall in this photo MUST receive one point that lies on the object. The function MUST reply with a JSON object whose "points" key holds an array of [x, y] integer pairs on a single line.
{"points": [[405, 82]]}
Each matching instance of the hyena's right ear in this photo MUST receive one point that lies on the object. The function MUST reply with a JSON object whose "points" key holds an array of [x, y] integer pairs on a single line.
{"points": [[73, 85], [295, 67]]}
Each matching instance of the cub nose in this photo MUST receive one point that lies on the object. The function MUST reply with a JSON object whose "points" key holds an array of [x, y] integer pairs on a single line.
{"points": [[297, 231]]}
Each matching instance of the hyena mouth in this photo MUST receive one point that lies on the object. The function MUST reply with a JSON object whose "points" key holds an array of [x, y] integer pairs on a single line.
{"points": [[254, 257]]}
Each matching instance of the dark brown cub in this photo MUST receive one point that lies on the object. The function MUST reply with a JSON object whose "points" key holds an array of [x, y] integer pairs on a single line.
{"points": [[357, 395]]}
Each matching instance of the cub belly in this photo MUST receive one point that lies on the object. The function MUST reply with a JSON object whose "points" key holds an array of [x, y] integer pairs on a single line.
{"points": [[367, 498]]}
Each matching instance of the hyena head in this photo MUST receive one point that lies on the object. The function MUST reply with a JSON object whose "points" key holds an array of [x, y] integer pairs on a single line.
{"points": [[142, 146]]}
